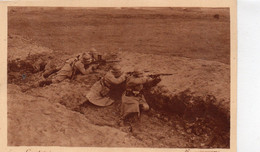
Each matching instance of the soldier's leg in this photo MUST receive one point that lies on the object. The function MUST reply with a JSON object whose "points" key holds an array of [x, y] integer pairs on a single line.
{"points": [[49, 72], [50, 69], [56, 79]]}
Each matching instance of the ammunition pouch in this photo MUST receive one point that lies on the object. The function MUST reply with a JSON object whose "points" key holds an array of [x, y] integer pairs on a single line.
{"points": [[133, 93]]}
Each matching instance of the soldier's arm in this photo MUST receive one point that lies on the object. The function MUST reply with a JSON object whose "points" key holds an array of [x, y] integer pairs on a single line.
{"points": [[141, 80], [114, 80], [149, 79], [81, 68]]}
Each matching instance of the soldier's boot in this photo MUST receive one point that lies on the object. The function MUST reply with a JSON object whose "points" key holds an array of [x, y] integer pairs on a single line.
{"points": [[120, 122], [123, 121], [124, 125], [44, 83], [132, 118]]}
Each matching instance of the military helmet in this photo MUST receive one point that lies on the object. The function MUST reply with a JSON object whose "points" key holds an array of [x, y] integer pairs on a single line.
{"points": [[86, 58], [93, 51], [138, 72], [94, 54], [116, 70]]}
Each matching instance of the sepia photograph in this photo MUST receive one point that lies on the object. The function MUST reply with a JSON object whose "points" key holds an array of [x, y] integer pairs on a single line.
{"points": [[133, 77]]}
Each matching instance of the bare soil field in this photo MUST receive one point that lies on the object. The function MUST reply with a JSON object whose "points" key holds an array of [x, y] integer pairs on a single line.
{"points": [[193, 32], [189, 109]]}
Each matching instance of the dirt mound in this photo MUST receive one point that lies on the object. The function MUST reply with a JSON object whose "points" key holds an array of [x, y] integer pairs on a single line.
{"points": [[25, 58], [44, 123], [21, 48], [68, 93]]}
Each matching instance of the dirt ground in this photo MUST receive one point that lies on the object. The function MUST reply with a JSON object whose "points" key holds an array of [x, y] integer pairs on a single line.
{"points": [[190, 43]]}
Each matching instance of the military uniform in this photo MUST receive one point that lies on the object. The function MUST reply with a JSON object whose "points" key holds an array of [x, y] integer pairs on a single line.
{"points": [[98, 94], [133, 98], [69, 68]]}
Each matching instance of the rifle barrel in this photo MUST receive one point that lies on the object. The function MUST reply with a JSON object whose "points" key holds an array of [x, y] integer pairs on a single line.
{"points": [[161, 74], [111, 61]]}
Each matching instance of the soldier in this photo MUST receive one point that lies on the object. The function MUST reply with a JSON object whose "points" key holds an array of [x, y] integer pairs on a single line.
{"points": [[70, 68], [133, 99], [99, 92], [94, 54], [51, 67]]}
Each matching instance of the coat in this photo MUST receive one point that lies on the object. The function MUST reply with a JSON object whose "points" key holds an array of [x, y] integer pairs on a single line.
{"points": [[99, 92], [64, 73], [130, 103], [68, 68]]}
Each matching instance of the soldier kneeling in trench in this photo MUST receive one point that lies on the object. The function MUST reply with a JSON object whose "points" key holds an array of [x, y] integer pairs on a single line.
{"points": [[133, 100], [70, 68], [99, 93]]}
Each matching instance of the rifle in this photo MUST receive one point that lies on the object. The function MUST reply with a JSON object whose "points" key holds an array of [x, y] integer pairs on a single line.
{"points": [[152, 75], [102, 62], [160, 74]]}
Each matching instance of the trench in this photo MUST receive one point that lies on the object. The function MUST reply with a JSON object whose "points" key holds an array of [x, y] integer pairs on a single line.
{"points": [[198, 115], [195, 115]]}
